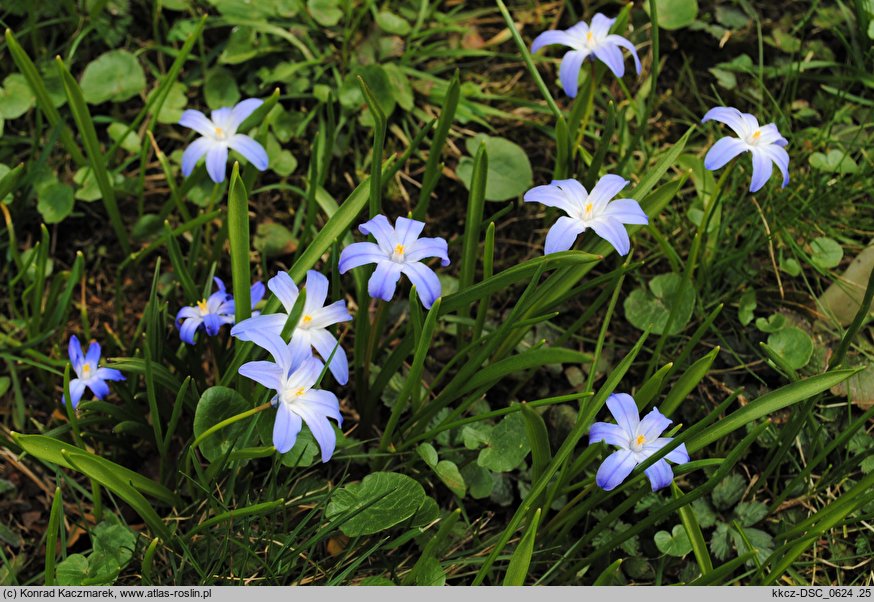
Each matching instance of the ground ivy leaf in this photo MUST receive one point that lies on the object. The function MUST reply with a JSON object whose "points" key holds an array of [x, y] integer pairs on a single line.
{"points": [[217, 404], [274, 240], [55, 202], [644, 308], [380, 501], [115, 75], [507, 445], [675, 14], [427, 452], [220, 88], [836, 161], [793, 345], [479, 480], [16, 97], [676, 543], [451, 477], [392, 23], [826, 253], [509, 173], [327, 13]]}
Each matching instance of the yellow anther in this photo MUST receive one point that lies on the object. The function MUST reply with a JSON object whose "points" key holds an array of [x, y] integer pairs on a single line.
{"points": [[640, 440], [300, 391], [307, 319], [589, 36], [219, 132], [399, 249], [756, 134], [588, 208], [202, 306], [86, 370]]}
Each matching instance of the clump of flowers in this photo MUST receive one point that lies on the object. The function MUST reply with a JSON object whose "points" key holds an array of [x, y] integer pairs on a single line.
{"points": [[89, 374], [212, 313], [397, 251], [218, 135], [586, 210]]}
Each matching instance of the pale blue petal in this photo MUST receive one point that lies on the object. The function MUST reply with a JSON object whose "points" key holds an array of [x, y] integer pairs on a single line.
{"points": [[198, 122], [212, 324], [730, 117], [624, 410], [324, 402], [267, 323], [425, 248], [678, 455], [562, 234], [193, 153], [552, 36], [306, 374], [771, 135], [426, 281], [187, 312], [653, 425], [109, 374], [382, 231], [77, 388], [325, 344], [317, 292], [627, 211], [408, 230], [256, 293], [358, 254], [724, 151], [612, 434], [98, 387], [551, 196], [241, 112], [75, 351], [275, 346], [299, 348], [285, 290], [605, 189], [569, 71], [615, 468], [600, 25], [93, 355], [268, 374], [222, 118], [286, 427], [576, 193], [384, 280], [611, 56], [780, 158], [334, 313], [762, 169], [188, 328], [320, 427], [216, 163], [624, 43], [660, 475], [613, 232], [250, 149]]}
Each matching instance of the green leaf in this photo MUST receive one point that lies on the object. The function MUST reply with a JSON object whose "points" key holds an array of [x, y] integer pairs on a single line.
{"points": [[675, 14], [115, 75], [836, 161], [305, 450], [521, 558], [427, 452], [645, 309], [507, 445], [55, 202], [676, 543], [750, 513], [220, 88], [274, 240], [774, 323], [509, 171], [327, 13], [401, 88], [281, 161], [73, 570], [746, 307], [451, 477], [379, 83], [479, 481], [728, 491], [380, 501], [131, 143], [174, 103], [217, 404], [793, 345], [16, 97], [392, 23], [825, 253]]}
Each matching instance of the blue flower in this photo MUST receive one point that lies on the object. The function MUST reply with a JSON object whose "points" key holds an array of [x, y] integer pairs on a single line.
{"points": [[88, 373], [764, 143], [637, 440], [587, 42], [212, 313], [293, 376], [586, 210], [312, 328], [218, 135], [397, 251]]}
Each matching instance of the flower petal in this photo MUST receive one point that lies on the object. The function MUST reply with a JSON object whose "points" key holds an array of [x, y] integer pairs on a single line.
{"points": [[324, 402], [241, 112], [334, 313], [660, 475], [221, 118], [382, 231], [730, 117], [212, 324], [771, 135], [408, 230], [615, 468], [320, 427], [306, 374], [551, 196], [286, 428], [625, 43], [384, 280], [275, 346], [193, 153], [426, 281], [198, 122], [98, 387], [93, 355], [266, 323], [188, 328], [427, 247], [109, 374], [552, 36], [600, 25], [74, 349], [611, 56], [723, 151], [327, 346], [358, 254], [317, 292], [249, 148], [678, 455], [256, 293], [264, 373], [613, 232], [762, 169], [77, 388], [285, 290], [624, 410], [653, 425], [612, 434], [216, 163], [562, 234], [569, 71], [626, 211], [605, 189], [780, 158]]}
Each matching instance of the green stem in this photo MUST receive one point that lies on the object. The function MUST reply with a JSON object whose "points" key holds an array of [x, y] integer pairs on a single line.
{"points": [[229, 421]]}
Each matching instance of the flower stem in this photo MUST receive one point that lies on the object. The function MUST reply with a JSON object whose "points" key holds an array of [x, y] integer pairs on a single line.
{"points": [[229, 421]]}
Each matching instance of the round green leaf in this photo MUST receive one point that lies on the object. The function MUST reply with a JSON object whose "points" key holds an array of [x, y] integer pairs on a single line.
{"points": [[215, 405], [793, 345], [675, 14], [115, 75], [509, 173], [55, 202], [826, 253], [327, 13], [507, 445], [451, 477], [392, 23], [644, 308], [16, 97], [676, 543], [274, 240], [220, 88], [379, 502]]}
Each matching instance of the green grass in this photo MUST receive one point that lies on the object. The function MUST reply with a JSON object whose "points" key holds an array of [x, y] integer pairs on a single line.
{"points": [[478, 408]]}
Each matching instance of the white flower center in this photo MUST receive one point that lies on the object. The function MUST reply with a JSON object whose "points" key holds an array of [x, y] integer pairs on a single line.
{"points": [[86, 371], [220, 133], [291, 394], [591, 41], [306, 321], [203, 307], [398, 253], [637, 443], [587, 212], [754, 138]]}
